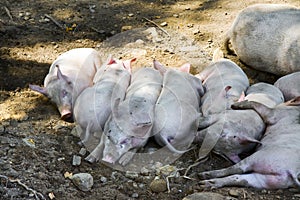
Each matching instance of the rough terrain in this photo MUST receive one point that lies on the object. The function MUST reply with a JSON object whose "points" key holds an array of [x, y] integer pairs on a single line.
{"points": [[37, 148]]}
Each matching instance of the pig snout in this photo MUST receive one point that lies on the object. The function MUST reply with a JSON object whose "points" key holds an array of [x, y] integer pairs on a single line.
{"points": [[67, 115]]}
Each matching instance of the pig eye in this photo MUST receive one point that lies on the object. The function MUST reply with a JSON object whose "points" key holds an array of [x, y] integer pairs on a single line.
{"points": [[64, 93]]}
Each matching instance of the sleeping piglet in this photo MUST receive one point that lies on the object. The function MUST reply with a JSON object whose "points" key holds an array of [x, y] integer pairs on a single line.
{"points": [[93, 106], [68, 76], [177, 109], [289, 85], [237, 134], [224, 82], [264, 93], [275, 163], [129, 126]]}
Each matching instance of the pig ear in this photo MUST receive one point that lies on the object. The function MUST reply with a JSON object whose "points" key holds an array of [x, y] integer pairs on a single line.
{"points": [[246, 140], [127, 64], [39, 89], [224, 92], [242, 97], [185, 68], [110, 60], [61, 76], [294, 102], [158, 66]]}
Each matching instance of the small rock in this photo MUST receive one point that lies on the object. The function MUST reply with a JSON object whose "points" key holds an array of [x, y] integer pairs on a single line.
{"points": [[30, 142], [76, 160], [176, 15], [135, 195], [126, 28], [82, 151], [158, 185], [164, 24], [141, 185], [233, 193], [205, 196], [166, 170], [84, 181], [131, 174], [145, 171], [130, 15], [103, 179]]}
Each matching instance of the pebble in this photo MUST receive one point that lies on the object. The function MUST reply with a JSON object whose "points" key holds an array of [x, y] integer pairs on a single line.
{"points": [[145, 171], [135, 195], [103, 179], [130, 15], [131, 174], [176, 15], [82, 151], [205, 196], [234, 193], [76, 160], [164, 24], [84, 181], [126, 28], [158, 185]]}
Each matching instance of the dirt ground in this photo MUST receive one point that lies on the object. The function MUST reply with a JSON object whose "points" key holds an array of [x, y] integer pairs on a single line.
{"points": [[37, 148]]}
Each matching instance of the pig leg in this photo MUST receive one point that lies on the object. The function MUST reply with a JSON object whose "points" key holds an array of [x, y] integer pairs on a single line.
{"points": [[96, 154], [86, 134], [261, 109], [268, 181]]}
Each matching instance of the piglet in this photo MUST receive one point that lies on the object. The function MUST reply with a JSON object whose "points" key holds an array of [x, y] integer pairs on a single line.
{"points": [[289, 85], [93, 106], [224, 82], [275, 164], [68, 76], [177, 109], [131, 121], [264, 93], [265, 37]]}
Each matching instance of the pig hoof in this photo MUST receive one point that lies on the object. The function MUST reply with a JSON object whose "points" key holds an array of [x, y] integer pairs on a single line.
{"points": [[207, 184], [91, 159]]}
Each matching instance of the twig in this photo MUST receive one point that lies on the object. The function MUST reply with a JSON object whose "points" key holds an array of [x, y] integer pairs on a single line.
{"points": [[8, 13], [37, 195], [54, 21], [193, 165], [158, 26]]}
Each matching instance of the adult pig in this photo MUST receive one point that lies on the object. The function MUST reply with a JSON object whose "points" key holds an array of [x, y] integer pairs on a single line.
{"points": [[224, 82], [289, 85], [275, 164], [265, 37], [177, 109], [132, 118], [265, 93], [68, 76], [93, 106]]}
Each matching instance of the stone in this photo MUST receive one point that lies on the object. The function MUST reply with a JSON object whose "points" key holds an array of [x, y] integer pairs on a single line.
{"points": [[83, 181], [158, 185]]}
